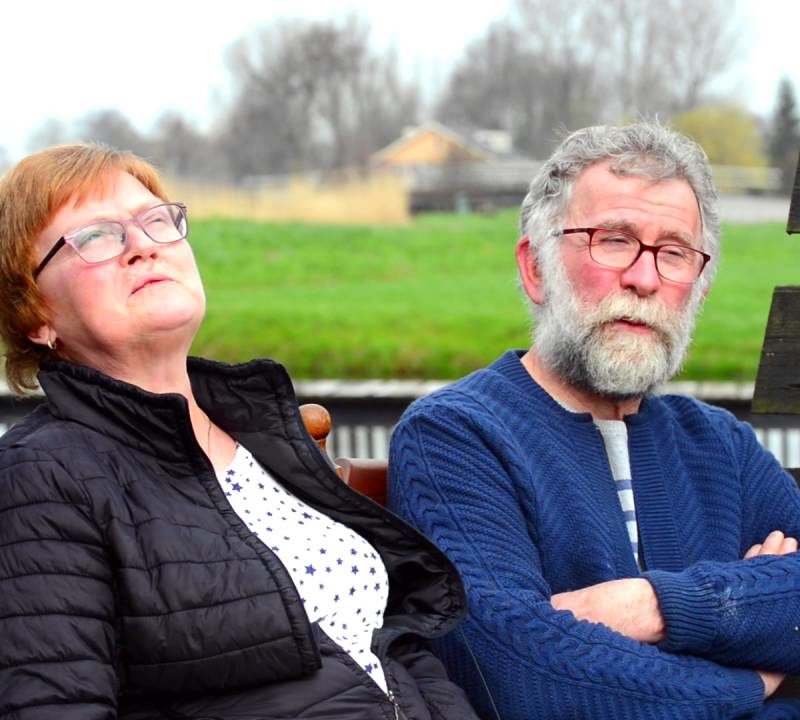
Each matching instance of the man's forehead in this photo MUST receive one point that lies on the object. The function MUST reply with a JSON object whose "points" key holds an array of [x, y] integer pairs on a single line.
{"points": [[632, 199], [607, 171]]}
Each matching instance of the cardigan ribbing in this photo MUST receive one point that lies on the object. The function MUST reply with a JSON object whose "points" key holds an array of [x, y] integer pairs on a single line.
{"points": [[518, 492]]}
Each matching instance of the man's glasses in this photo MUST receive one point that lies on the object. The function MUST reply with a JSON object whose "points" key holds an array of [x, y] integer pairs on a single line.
{"points": [[617, 249], [101, 241]]}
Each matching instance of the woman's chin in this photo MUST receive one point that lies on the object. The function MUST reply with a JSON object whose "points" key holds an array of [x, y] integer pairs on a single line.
{"points": [[179, 318]]}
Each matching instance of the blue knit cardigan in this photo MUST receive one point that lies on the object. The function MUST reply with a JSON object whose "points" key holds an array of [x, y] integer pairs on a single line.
{"points": [[518, 492]]}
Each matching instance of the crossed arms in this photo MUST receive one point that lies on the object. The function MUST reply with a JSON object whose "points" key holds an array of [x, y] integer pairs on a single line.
{"points": [[630, 605], [711, 640]]}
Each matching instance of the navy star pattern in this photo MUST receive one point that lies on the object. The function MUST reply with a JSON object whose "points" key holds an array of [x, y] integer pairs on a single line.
{"points": [[307, 543]]}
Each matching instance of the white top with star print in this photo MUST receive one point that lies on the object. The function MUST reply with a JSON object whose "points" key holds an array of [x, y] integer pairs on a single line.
{"points": [[341, 579]]}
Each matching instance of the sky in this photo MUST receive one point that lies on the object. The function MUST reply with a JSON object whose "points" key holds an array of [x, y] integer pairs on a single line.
{"points": [[65, 59]]}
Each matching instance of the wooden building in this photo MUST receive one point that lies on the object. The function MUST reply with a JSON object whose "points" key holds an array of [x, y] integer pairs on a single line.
{"points": [[447, 169]]}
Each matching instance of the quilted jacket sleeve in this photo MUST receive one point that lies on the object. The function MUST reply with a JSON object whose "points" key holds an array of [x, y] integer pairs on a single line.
{"points": [[56, 600], [538, 662]]}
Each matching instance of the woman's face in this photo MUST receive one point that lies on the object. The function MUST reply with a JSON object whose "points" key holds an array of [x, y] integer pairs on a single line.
{"points": [[149, 298]]}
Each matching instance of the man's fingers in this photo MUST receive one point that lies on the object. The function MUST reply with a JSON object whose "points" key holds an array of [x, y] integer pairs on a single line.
{"points": [[788, 545], [772, 545], [753, 551], [775, 544], [771, 681]]}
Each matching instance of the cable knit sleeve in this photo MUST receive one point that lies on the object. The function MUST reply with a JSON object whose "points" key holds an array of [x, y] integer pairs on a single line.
{"points": [[56, 602], [461, 485], [744, 613]]}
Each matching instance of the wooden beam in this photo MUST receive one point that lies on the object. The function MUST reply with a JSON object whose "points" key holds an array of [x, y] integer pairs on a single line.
{"points": [[794, 207], [777, 387]]}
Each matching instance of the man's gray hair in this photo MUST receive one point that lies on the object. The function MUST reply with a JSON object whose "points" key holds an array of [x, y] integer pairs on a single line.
{"points": [[644, 149]]}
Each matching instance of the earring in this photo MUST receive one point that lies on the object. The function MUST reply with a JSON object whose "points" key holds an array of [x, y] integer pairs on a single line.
{"points": [[51, 343]]}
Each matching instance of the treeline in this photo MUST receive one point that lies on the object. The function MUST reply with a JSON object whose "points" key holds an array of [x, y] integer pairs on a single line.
{"points": [[315, 94]]}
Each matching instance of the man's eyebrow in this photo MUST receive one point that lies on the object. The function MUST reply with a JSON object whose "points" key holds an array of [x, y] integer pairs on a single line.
{"points": [[633, 229], [623, 225]]}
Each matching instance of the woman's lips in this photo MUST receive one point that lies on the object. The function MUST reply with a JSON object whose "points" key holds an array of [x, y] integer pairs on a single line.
{"points": [[146, 282]]}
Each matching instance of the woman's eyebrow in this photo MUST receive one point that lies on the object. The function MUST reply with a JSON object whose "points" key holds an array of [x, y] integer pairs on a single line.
{"points": [[100, 217]]}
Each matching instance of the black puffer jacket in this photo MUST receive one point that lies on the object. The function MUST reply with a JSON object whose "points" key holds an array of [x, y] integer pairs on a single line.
{"points": [[129, 588]]}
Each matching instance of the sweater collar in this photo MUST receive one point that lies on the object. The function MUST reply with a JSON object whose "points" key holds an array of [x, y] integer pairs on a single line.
{"points": [[509, 364]]}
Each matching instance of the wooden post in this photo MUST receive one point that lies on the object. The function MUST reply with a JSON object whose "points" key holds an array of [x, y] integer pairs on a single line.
{"points": [[793, 225], [777, 387], [778, 381]]}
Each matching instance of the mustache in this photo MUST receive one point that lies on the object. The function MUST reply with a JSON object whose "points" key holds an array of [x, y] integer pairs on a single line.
{"points": [[649, 311]]}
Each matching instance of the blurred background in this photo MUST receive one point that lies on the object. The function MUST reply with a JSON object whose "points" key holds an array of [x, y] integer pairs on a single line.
{"points": [[352, 168], [246, 96]]}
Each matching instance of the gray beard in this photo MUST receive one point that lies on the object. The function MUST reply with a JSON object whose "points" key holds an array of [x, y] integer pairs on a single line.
{"points": [[580, 345]]}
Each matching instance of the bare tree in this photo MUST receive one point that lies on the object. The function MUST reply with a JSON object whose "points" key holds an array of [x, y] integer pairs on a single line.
{"points": [[525, 82], [563, 65], [494, 83], [784, 134], [661, 57], [113, 128], [312, 94], [182, 151], [51, 132]]}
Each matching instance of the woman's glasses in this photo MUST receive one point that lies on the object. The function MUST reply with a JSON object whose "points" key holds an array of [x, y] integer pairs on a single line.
{"points": [[102, 241]]}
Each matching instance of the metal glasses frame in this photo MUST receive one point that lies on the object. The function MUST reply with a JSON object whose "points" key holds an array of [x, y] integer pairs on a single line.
{"points": [[64, 239]]}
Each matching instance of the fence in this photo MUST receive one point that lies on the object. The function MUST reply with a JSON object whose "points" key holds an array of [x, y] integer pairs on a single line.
{"points": [[364, 413], [372, 441]]}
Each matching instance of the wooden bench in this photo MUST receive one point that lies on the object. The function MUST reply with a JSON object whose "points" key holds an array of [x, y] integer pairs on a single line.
{"points": [[365, 475]]}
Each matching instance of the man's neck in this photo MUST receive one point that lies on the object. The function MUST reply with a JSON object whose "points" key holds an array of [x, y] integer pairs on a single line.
{"points": [[600, 408]]}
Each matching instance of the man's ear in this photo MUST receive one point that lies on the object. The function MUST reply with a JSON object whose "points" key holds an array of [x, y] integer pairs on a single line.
{"points": [[529, 270], [43, 335]]}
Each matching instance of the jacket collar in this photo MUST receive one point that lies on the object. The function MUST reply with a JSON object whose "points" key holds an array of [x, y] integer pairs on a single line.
{"points": [[240, 398]]}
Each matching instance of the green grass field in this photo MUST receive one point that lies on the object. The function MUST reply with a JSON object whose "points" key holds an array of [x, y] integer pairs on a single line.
{"points": [[433, 300]]}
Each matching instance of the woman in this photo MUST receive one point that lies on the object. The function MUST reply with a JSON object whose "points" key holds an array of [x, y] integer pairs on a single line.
{"points": [[172, 544]]}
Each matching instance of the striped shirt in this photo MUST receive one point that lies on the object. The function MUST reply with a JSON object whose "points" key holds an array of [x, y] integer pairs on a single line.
{"points": [[615, 438]]}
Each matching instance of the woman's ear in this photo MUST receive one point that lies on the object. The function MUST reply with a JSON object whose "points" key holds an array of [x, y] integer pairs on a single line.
{"points": [[529, 270], [43, 335]]}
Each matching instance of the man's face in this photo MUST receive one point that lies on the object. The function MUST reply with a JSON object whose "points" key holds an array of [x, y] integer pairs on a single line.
{"points": [[618, 332]]}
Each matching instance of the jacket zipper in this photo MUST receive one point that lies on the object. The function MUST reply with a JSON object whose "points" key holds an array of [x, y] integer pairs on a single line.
{"points": [[398, 715]]}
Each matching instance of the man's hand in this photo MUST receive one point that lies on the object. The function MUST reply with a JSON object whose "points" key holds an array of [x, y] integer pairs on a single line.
{"points": [[629, 606], [775, 544]]}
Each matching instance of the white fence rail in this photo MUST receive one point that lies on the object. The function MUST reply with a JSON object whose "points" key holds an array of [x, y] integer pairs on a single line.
{"points": [[372, 441], [364, 413]]}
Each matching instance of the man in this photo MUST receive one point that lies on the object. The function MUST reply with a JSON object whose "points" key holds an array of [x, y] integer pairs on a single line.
{"points": [[625, 555]]}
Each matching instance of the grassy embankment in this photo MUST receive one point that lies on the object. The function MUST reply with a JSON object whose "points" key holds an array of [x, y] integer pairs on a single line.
{"points": [[435, 299]]}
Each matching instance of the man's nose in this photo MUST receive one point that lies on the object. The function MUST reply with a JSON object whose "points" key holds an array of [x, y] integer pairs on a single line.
{"points": [[642, 276]]}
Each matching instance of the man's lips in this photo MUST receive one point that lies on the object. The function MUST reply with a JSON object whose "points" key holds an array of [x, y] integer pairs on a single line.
{"points": [[632, 324]]}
